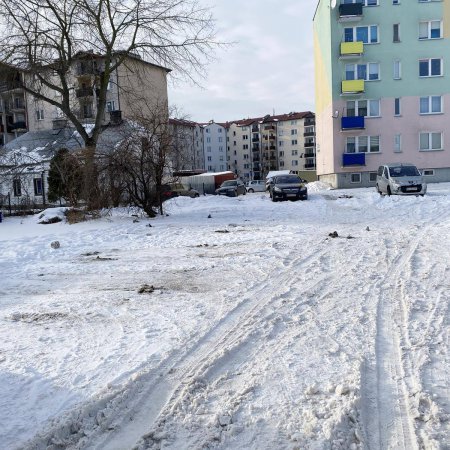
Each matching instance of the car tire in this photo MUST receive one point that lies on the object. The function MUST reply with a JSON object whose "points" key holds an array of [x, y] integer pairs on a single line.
{"points": [[196, 195], [251, 191], [389, 191], [378, 190], [274, 199], [245, 192]]}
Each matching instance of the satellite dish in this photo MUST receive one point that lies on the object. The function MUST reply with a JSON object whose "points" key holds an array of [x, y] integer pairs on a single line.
{"points": [[333, 3]]}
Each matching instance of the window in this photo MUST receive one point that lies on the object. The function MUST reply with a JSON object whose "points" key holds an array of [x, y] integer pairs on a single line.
{"points": [[244, 128], [397, 69], [294, 152], [366, 108], [396, 32], [293, 122], [220, 138], [293, 132], [281, 163], [430, 141], [431, 104], [398, 143], [207, 130], [37, 183], [17, 188], [294, 162], [280, 132], [221, 158], [245, 146], [39, 114], [110, 106], [367, 72], [362, 144], [280, 143], [87, 110], [355, 178], [209, 158], [397, 111], [220, 130], [245, 137], [208, 149], [367, 34], [364, 2], [220, 148], [396, 2], [294, 142], [281, 153], [430, 67], [373, 177], [246, 156], [428, 172], [431, 29]]}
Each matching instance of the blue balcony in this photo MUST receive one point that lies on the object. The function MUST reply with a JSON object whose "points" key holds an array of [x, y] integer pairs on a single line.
{"points": [[352, 123], [351, 11], [353, 159]]}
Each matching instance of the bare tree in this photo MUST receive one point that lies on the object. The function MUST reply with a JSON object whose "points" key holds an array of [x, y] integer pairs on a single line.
{"points": [[46, 39]]}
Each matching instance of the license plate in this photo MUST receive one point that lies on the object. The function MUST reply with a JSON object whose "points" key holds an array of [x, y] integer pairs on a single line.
{"points": [[411, 189], [291, 195]]}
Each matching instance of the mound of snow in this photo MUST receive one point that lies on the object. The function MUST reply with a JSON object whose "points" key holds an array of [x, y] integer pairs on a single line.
{"points": [[316, 186], [52, 215]]}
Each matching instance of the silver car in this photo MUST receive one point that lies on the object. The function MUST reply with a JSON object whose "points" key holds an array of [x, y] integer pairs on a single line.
{"points": [[400, 179], [256, 186]]}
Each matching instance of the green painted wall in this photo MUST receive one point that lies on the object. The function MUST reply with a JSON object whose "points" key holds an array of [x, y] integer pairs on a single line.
{"points": [[408, 14]]}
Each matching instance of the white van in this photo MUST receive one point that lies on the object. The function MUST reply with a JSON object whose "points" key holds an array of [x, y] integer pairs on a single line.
{"points": [[400, 179]]}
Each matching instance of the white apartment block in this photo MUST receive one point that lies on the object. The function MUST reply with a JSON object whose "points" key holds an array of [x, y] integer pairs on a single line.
{"points": [[215, 146]]}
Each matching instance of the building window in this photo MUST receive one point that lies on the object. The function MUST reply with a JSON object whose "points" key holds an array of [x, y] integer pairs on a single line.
{"points": [[220, 130], [431, 29], [373, 177], [367, 34], [221, 158], [294, 152], [397, 69], [355, 178], [398, 143], [209, 158], [245, 146], [431, 67], [430, 141], [208, 139], [293, 122], [294, 162], [207, 130], [208, 149], [366, 108], [87, 111], [367, 72], [428, 172], [396, 2], [294, 142], [293, 132], [39, 114], [431, 104], [220, 138], [245, 137], [110, 106], [37, 183], [397, 111], [281, 153], [281, 163], [396, 32], [17, 187], [362, 144], [280, 143]]}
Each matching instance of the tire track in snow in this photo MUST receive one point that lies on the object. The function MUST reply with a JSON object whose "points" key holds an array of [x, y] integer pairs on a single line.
{"points": [[386, 389]]}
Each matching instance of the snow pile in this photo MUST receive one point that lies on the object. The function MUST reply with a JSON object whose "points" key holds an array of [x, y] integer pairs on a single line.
{"points": [[52, 215], [317, 186]]}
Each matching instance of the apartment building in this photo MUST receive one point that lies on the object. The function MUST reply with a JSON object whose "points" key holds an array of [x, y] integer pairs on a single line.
{"points": [[215, 146], [134, 87], [259, 145], [382, 88]]}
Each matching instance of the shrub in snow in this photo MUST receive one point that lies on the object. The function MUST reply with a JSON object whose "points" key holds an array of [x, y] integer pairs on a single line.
{"points": [[55, 244]]}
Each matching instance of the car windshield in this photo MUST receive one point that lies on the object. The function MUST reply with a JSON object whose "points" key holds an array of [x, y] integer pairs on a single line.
{"points": [[287, 179], [404, 171], [228, 183]]}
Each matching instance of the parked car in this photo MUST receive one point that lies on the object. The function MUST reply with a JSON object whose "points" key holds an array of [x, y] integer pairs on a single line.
{"points": [[400, 179], [287, 187], [256, 186], [178, 189], [232, 188]]}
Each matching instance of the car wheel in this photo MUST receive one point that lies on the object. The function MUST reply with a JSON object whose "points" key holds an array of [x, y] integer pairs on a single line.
{"points": [[196, 195], [245, 192], [251, 191], [389, 191]]}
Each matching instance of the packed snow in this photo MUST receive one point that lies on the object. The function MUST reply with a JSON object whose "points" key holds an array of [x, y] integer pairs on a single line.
{"points": [[230, 323]]}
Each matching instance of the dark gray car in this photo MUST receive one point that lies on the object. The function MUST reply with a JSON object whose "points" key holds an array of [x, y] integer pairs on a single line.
{"points": [[232, 188], [287, 187]]}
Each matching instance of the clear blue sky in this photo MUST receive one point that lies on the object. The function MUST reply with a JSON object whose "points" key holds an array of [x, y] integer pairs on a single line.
{"points": [[269, 68]]}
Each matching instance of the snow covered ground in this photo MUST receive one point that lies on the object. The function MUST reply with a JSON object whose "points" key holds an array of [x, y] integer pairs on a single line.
{"points": [[251, 329]]}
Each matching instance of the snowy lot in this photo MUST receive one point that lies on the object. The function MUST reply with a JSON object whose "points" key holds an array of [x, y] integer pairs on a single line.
{"points": [[253, 329]]}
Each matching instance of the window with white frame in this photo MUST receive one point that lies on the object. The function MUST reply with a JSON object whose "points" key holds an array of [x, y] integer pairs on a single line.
{"points": [[39, 114], [373, 177], [110, 106], [355, 178], [208, 139], [209, 158], [362, 144], [294, 152], [398, 143], [17, 187], [366, 108], [364, 2], [396, 32], [221, 158], [430, 141], [367, 34], [293, 122], [428, 172], [245, 146], [37, 184], [430, 29], [431, 67], [431, 104], [220, 148], [396, 2], [367, 72], [219, 130], [294, 131], [294, 162], [281, 163], [294, 142], [397, 107], [397, 69], [220, 138], [280, 143], [208, 149]]}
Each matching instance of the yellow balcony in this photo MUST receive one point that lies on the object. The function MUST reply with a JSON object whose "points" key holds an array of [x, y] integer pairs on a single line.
{"points": [[352, 49], [352, 86]]}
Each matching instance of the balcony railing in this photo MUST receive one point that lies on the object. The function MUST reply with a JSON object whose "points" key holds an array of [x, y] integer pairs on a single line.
{"points": [[310, 165], [309, 144], [20, 125], [255, 148], [352, 87], [272, 137], [255, 129], [309, 122], [272, 147], [6, 86], [310, 154], [353, 159], [269, 127], [350, 12], [352, 123], [255, 139], [309, 134], [352, 49]]}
